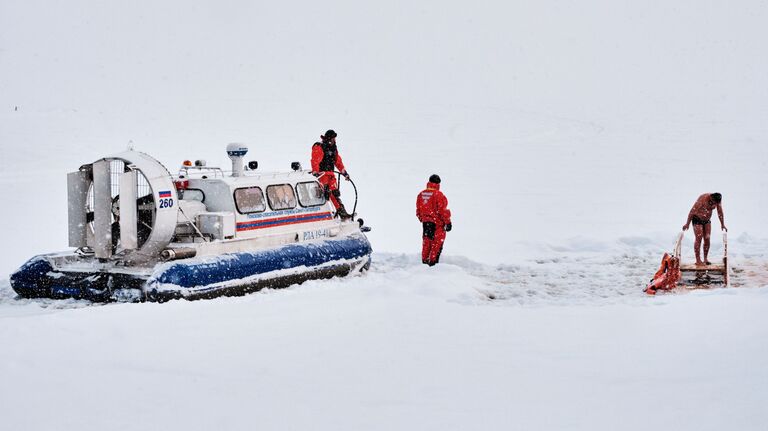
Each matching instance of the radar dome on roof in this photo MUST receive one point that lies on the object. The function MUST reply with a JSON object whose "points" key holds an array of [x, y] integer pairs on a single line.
{"points": [[236, 150]]}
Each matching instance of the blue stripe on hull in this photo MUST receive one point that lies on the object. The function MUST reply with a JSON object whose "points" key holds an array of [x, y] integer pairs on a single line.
{"points": [[38, 279], [235, 266], [190, 277], [27, 281]]}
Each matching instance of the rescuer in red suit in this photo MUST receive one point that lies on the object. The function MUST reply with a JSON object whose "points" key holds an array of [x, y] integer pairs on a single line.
{"points": [[325, 156], [435, 217]]}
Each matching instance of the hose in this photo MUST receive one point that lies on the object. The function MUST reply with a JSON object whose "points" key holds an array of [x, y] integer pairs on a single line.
{"points": [[354, 208]]}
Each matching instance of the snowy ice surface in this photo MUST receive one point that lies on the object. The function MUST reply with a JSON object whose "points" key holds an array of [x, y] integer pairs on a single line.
{"points": [[405, 347], [572, 138]]}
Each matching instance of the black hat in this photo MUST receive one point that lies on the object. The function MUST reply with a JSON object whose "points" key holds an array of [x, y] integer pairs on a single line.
{"points": [[330, 134], [434, 178]]}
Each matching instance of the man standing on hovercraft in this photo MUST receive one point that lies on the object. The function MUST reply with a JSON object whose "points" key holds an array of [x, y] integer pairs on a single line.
{"points": [[435, 217], [325, 156], [700, 216]]}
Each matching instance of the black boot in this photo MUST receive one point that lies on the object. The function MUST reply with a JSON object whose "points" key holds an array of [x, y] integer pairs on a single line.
{"points": [[342, 213]]}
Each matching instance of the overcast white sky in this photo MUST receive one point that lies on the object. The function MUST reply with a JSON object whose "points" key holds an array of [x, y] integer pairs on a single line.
{"points": [[569, 105]]}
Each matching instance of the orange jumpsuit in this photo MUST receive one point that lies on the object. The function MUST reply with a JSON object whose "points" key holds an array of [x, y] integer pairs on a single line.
{"points": [[432, 211]]}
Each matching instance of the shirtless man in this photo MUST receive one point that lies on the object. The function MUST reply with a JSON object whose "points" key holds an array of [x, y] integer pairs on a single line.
{"points": [[700, 216]]}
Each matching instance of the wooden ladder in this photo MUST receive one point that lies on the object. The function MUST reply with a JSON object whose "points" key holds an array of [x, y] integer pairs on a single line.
{"points": [[721, 269]]}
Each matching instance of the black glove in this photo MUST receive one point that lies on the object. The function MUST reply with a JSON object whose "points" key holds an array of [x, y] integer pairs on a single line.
{"points": [[316, 174], [345, 175], [448, 227]]}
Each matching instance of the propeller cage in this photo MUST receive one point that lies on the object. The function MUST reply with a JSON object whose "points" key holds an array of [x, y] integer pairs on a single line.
{"points": [[123, 207]]}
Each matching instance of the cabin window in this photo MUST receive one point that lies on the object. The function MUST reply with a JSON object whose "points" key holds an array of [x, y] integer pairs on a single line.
{"points": [[250, 200], [281, 197], [192, 195], [310, 194]]}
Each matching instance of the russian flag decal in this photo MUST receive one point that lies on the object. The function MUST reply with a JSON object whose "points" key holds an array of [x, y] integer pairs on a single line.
{"points": [[165, 194]]}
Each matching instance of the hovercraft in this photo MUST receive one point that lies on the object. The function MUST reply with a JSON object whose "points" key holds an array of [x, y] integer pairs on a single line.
{"points": [[140, 234]]}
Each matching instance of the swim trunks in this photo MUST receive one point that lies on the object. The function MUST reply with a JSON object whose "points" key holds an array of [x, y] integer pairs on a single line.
{"points": [[696, 220]]}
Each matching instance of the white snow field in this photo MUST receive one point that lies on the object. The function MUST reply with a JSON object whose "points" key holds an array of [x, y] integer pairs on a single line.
{"points": [[572, 139]]}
